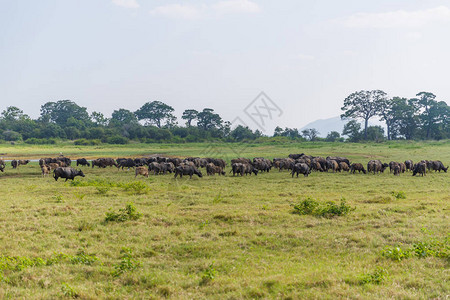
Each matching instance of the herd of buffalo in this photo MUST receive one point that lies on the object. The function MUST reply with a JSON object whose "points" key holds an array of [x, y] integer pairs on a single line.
{"points": [[295, 163]]}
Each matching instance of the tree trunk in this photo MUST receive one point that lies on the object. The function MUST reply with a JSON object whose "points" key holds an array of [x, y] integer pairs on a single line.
{"points": [[366, 122], [388, 130]]}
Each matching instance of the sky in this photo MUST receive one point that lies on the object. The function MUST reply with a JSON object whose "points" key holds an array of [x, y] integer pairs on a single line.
{"points": [[306, 56]]}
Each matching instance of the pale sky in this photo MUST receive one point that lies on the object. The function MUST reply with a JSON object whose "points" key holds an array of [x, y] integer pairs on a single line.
{"points": [[307, 56]]}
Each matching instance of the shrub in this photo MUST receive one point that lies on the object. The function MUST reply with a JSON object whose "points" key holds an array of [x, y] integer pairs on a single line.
{"points": [[85, 142], [103, 190], [399, 194], [330, 209], [377, 277], [127, 263], [69, 291], [208, 275], [35, 141], [136, 187], [124, 214], [117, 140], [395, 253]]}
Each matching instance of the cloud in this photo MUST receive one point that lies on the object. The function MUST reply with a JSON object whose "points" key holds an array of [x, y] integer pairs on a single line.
{"points": [[126, 3], [178, 11], [190, 12], [236, 6], [399, 18], [304, 57]]}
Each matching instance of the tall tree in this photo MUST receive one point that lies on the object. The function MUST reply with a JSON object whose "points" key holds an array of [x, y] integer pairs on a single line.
{"points": [[155, 113], [207, 119], [59, 112], [99, 119], [122, 117], [426, 104], [13, 113], [363, 105], [352, 130], [404, 118], [386, 114], [189, 115], [310, 134]]}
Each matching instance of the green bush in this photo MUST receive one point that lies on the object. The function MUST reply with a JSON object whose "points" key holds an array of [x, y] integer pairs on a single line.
{"points": [[396, 253], [399, 194], [330, 209], [117, 140], [127, 263], [136, 187], [35, 141], [377, 277], [128, 213], [85, 142]]}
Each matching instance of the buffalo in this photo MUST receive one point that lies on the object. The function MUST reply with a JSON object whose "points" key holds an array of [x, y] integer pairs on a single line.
{"points": [[212, 169], [301, 168], [67, 173], [141, 171], [357, 167], [187, 170], [437, 165], [420, 168], [83, 162]]}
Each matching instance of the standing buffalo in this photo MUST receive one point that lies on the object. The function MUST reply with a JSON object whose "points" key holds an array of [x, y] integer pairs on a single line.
{"points": [[187, 170], [301, 168], [420, 168], [212, 169], [357, 167], [141, 171], [83, 162], [409, 165], [67, 173]]}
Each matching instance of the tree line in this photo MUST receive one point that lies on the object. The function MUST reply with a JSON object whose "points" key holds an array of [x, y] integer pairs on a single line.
{"points": [[419, 118]]}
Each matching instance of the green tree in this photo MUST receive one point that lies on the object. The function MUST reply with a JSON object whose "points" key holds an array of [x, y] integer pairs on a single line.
{"points": [[310, 134], [241, 133], [61, 111], [208, 120], [363, 105], [123, 116], [353, 130], [156, 113], [333, 136], [375, 133], [99, 119], [189, 115], [13, 113]]}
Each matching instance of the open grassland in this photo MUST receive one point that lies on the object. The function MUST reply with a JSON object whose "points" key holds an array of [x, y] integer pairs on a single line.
{"points": [[225, 237]]}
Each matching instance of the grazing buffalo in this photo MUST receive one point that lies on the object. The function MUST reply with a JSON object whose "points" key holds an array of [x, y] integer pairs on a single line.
{"points": [[67, 173], [83, 162], [333, 165], [141, 171], [344, 166], [262, 164], [187, 170], [357, 167], [14, 164], [376, 166], [392, 166], [397, 169], [236, 168], [167, 167], [155, 167], [212, 169], [248, 169], [409, 165], [126, 163], [103, 162], [420, 168], [53, 166], [296, 156], [437, 165], [45, 170], [301, 168]]}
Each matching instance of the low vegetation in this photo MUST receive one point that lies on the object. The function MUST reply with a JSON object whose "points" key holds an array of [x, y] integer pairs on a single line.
{"points": [[225, 237]]}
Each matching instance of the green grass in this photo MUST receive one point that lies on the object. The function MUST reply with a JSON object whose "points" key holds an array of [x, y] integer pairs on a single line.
{"points": [[224, 237]]}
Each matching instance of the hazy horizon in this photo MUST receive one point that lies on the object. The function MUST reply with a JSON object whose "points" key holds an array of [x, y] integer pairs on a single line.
{"points": [[306, 56]]}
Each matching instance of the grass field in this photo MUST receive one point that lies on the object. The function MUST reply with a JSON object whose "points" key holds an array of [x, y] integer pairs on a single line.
{"points": [[225, 237]]}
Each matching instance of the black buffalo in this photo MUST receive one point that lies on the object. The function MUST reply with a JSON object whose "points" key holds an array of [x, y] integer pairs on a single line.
{"points": [[187, 170], [83, 162], [67, 173], [420, 168], [301, 168]]}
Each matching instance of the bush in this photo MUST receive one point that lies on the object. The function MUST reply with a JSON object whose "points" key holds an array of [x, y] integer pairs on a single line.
{"points": [[35, 141], [136, 187], [127, 263], [377, 277], [395, 253], [124, 214], [11, 136], [85, 142], [117, 140], [309, 206], [399, 195]]}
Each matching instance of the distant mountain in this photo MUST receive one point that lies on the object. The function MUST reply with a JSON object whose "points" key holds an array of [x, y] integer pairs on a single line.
{"points": [[325, 126]]}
